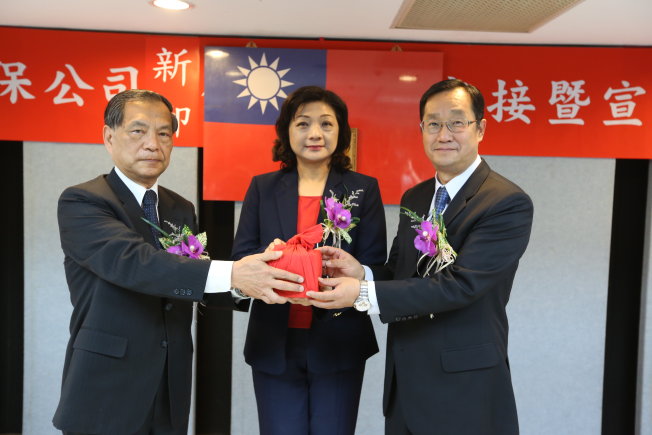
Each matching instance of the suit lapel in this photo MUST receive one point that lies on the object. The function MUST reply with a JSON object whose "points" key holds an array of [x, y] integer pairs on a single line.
{"points": [[468, 190], [287, 203], [334, 183], [424, 198], [167, 211], [419, 203], [131, 206]]}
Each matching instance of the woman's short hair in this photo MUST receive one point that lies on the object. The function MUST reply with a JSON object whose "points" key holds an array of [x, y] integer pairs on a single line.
{"points": [[282, 151]]}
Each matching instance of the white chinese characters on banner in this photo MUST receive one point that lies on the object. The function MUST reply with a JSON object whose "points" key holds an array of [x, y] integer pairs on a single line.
{"points": [[511, 104], [168, 68], [623, 109], [183, 116], [14, 84], [112, 90], [515, 105], [566, 96], [61, 97]]}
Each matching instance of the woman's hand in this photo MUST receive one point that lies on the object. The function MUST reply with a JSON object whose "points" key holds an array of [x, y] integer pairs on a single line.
{"points": [[271, 246], [300, 301]]}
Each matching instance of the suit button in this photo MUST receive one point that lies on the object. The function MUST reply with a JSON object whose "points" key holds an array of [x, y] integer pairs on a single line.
{"points": [[176, 291], [189, 292], [168, 306], [164, 344]]}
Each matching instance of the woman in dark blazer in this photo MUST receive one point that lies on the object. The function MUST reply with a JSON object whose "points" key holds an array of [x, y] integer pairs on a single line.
{"points": [[308, 363]]}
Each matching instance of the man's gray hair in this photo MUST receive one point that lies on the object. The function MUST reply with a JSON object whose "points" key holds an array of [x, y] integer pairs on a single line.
{"points": [[114, 112]]}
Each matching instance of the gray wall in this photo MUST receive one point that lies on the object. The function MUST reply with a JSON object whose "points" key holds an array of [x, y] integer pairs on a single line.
{"points": [[557, 310], [48, 169]]}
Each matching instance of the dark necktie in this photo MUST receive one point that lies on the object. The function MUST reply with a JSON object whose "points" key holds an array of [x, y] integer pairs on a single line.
{"points": [[441, 200], [149, 207]]}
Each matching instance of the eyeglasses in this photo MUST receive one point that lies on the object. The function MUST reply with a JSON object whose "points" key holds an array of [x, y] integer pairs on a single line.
{"points": [[454, 125]]}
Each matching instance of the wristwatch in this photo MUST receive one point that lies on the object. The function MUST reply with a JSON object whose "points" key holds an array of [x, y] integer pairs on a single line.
{"points": [[237, 293], [362, 302]]}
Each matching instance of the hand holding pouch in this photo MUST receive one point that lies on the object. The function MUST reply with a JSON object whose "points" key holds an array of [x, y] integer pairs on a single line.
{"points": [[300, 257]]}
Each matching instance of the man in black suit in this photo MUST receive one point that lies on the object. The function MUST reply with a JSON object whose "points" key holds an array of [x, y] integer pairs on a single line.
{"points": [[447, 370], [128, 362]]}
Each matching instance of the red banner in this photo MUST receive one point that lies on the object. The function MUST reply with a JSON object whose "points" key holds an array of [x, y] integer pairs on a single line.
{"points": [[561, 101], [541, 100], [54, 85]]}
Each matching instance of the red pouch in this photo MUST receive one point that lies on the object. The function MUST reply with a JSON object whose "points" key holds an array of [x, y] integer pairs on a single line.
{"points": [[299, 257]]}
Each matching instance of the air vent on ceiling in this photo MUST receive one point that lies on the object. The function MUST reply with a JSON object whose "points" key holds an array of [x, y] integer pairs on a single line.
{"points": [[479, 15]]}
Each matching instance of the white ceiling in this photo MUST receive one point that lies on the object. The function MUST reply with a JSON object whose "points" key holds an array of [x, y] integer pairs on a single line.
{"points": [[592, 22]]}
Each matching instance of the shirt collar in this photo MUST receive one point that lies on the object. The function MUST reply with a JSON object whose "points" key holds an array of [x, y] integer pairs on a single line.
{"points": [[455, 184], [136, 189]]}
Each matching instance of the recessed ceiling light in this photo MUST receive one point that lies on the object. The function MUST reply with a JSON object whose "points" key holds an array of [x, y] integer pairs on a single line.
{"points": [[175, 5]]}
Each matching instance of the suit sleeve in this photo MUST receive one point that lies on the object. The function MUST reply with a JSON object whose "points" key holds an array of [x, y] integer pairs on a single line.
{"points": [[95, 236], [488, 256]]}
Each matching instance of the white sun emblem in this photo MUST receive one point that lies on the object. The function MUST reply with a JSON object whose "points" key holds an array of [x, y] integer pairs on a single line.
{"points": [[263, 83]]}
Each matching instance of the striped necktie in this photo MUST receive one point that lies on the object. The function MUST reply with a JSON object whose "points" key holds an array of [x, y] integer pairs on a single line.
{"points": [[441, 200], [149, 207]]}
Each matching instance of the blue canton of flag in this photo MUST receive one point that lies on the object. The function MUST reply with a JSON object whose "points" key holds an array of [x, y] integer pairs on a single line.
{"points": [[248, 85]]}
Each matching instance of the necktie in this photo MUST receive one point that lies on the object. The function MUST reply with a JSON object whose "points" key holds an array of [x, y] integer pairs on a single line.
{"points": [[441, 200], [149, 207]]}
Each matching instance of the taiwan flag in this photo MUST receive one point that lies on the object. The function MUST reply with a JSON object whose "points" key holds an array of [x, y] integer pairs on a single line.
{"points": [[245, 88]]}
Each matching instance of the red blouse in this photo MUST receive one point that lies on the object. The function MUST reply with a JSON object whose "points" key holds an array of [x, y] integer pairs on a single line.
{"points": [[307, 214]]}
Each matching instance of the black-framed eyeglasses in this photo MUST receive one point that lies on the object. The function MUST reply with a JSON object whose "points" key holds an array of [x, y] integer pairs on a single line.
{"points": [[453, 125]]}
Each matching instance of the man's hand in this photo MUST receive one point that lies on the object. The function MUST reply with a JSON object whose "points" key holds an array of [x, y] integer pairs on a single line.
{"points": [[345, 291], [339, 263], [255, 278]]}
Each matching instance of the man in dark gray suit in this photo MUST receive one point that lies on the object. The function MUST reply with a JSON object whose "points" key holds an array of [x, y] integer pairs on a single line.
{"points": [[128, 362], [447, 370]]}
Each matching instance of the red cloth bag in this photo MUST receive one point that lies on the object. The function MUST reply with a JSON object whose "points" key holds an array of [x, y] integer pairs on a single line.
{"points": [[300, 257]]}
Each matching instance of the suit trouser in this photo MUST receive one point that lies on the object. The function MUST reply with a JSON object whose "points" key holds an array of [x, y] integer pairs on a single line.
{"points": [[158, 420], [299, 402], [395, 423]]}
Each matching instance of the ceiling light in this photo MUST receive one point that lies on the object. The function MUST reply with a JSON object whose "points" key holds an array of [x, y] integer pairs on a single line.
{"points": [[175, 5]]}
